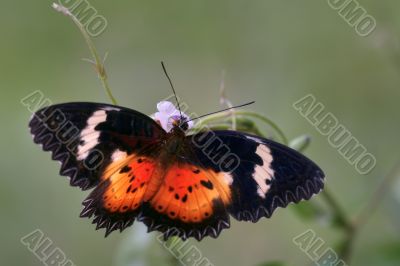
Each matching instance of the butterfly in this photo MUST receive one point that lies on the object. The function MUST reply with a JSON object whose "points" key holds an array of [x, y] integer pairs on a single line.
{"points": [[157, 170], [151, 170]]}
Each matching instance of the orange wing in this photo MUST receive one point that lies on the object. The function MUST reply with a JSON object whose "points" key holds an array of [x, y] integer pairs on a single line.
{"points": [[191, 201], [128, 184], [116, 201]]}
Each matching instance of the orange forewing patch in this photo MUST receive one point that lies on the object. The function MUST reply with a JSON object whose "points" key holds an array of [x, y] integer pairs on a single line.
{"points": [[128, 180], [188, 193]]}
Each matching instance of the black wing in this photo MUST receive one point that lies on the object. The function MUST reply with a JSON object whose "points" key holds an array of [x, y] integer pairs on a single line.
{"points": [[264, 174], [87, 137]]}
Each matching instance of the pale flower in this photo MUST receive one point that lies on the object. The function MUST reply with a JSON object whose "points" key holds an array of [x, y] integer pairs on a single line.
{"points": [[167, 114]]}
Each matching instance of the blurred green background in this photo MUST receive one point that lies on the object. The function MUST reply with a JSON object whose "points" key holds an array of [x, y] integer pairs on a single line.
{"points": [[274, 52]]}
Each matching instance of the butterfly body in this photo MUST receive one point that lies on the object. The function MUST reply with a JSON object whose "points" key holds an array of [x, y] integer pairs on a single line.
{"points": [[155, 172], [174, 143]]}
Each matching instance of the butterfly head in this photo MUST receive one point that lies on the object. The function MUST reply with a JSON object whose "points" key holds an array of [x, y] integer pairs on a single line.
{"points": [[171, 118]]}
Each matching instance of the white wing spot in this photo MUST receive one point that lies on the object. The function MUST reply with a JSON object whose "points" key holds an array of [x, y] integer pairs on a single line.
{"points": [[264, 172], [228, 178], [89, 136], [118, 155]]}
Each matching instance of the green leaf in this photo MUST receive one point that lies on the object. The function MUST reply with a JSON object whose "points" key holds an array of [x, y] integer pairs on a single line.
{"points": [[300, 143]]}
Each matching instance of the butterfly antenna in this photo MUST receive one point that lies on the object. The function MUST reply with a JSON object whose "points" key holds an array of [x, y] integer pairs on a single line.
{"points": [[223, 110], [172, 86]]}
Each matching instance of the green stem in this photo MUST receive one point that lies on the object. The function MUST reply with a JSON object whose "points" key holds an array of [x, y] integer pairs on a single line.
{"points": [[340, 215], [344, 223], [98, 64], [377, 197], [240, 127], [220, 126], [252, 114]]}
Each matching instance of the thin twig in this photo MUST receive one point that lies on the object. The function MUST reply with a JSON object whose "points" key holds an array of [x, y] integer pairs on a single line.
{"points": [[373, 204], [225, 101], [340, 215], [98, 63]]}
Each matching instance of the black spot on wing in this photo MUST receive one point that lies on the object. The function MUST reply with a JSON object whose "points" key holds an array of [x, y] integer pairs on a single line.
{"points": [[184, 198], [125, 169], [207, 184]]}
